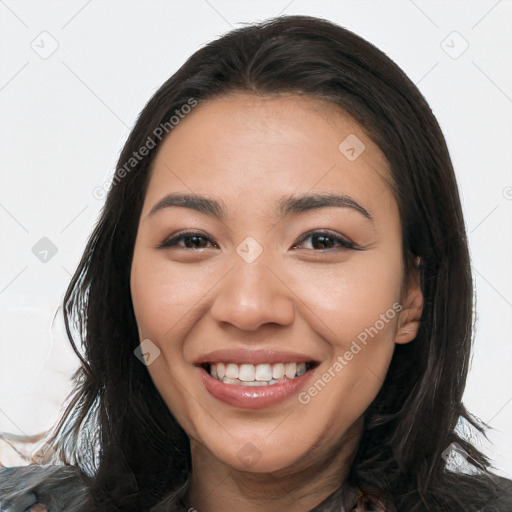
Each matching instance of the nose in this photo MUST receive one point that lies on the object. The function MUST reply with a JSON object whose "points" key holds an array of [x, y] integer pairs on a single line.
{"points": [[253, 294]]}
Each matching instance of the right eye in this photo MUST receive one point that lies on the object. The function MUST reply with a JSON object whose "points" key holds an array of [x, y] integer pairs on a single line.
{"points": [[193, 241]]}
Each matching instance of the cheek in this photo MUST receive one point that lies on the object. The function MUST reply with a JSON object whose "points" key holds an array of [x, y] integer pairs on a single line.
{"points": [[161, 296], [355, 309], [350, 299], [161, 300]]}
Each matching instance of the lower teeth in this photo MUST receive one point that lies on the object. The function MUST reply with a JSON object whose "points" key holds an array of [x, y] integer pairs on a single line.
{"points": [[227, 380]]}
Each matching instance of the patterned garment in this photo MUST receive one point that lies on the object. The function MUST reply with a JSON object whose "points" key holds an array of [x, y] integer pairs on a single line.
{"points": [[41, 489], [60, 489]]}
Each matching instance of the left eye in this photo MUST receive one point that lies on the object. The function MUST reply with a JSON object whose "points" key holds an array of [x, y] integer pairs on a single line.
{"points": [[325, 240]]}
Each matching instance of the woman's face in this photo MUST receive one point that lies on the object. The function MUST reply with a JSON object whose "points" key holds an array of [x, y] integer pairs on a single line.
{"points": [[294, 265]]}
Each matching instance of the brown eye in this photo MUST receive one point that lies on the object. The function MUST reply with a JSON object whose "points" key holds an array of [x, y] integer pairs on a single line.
{"points": [[322, 240], [192, 240]]}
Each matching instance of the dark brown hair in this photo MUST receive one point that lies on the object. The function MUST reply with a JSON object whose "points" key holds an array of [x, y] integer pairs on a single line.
{"points": [[117, 426]]}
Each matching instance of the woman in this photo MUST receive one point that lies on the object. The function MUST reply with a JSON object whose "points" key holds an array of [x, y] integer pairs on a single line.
{"points": [[276, 303]]}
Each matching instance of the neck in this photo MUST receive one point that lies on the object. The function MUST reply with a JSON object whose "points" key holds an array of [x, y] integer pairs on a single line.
{"points": [[216, 487]]}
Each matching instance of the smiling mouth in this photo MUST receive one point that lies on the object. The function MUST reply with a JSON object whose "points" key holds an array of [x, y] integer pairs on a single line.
{"points": [[256, 375]]}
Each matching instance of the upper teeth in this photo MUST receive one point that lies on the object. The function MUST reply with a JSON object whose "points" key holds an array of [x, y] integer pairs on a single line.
{"points": [[259, 375]]}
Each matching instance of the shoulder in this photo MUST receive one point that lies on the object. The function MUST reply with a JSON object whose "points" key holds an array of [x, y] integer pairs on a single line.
{"points": [[58, 487], [485, 492], [504, 486]]}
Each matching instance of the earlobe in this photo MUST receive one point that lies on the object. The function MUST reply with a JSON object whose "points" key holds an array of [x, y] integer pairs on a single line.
{"points": [[409, 319]]}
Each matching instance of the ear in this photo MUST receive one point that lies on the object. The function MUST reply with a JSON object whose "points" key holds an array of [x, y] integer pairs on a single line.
{"points": [[412, 302]]}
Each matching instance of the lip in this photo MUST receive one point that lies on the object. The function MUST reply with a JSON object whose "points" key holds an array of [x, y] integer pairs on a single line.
{"points": [[260, 356], [252, 397]]}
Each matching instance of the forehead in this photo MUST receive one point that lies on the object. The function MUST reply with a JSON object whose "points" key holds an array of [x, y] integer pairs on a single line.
{"points": [[269, 146]]}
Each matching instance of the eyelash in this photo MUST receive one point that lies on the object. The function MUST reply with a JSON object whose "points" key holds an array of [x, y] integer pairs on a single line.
{"points": [[173, 240]]}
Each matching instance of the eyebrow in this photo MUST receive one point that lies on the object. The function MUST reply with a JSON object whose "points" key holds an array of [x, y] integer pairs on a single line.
{"points": [[289, 205]]}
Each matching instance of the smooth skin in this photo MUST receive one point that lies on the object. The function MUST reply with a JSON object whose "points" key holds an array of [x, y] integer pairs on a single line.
{"points": [[308, 295]]}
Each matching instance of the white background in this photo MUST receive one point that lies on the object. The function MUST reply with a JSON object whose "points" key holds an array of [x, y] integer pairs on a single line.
{"points": [[64, 119]]}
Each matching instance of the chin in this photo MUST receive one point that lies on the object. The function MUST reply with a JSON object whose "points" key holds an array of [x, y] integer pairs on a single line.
{"points": [[260, 457]]}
